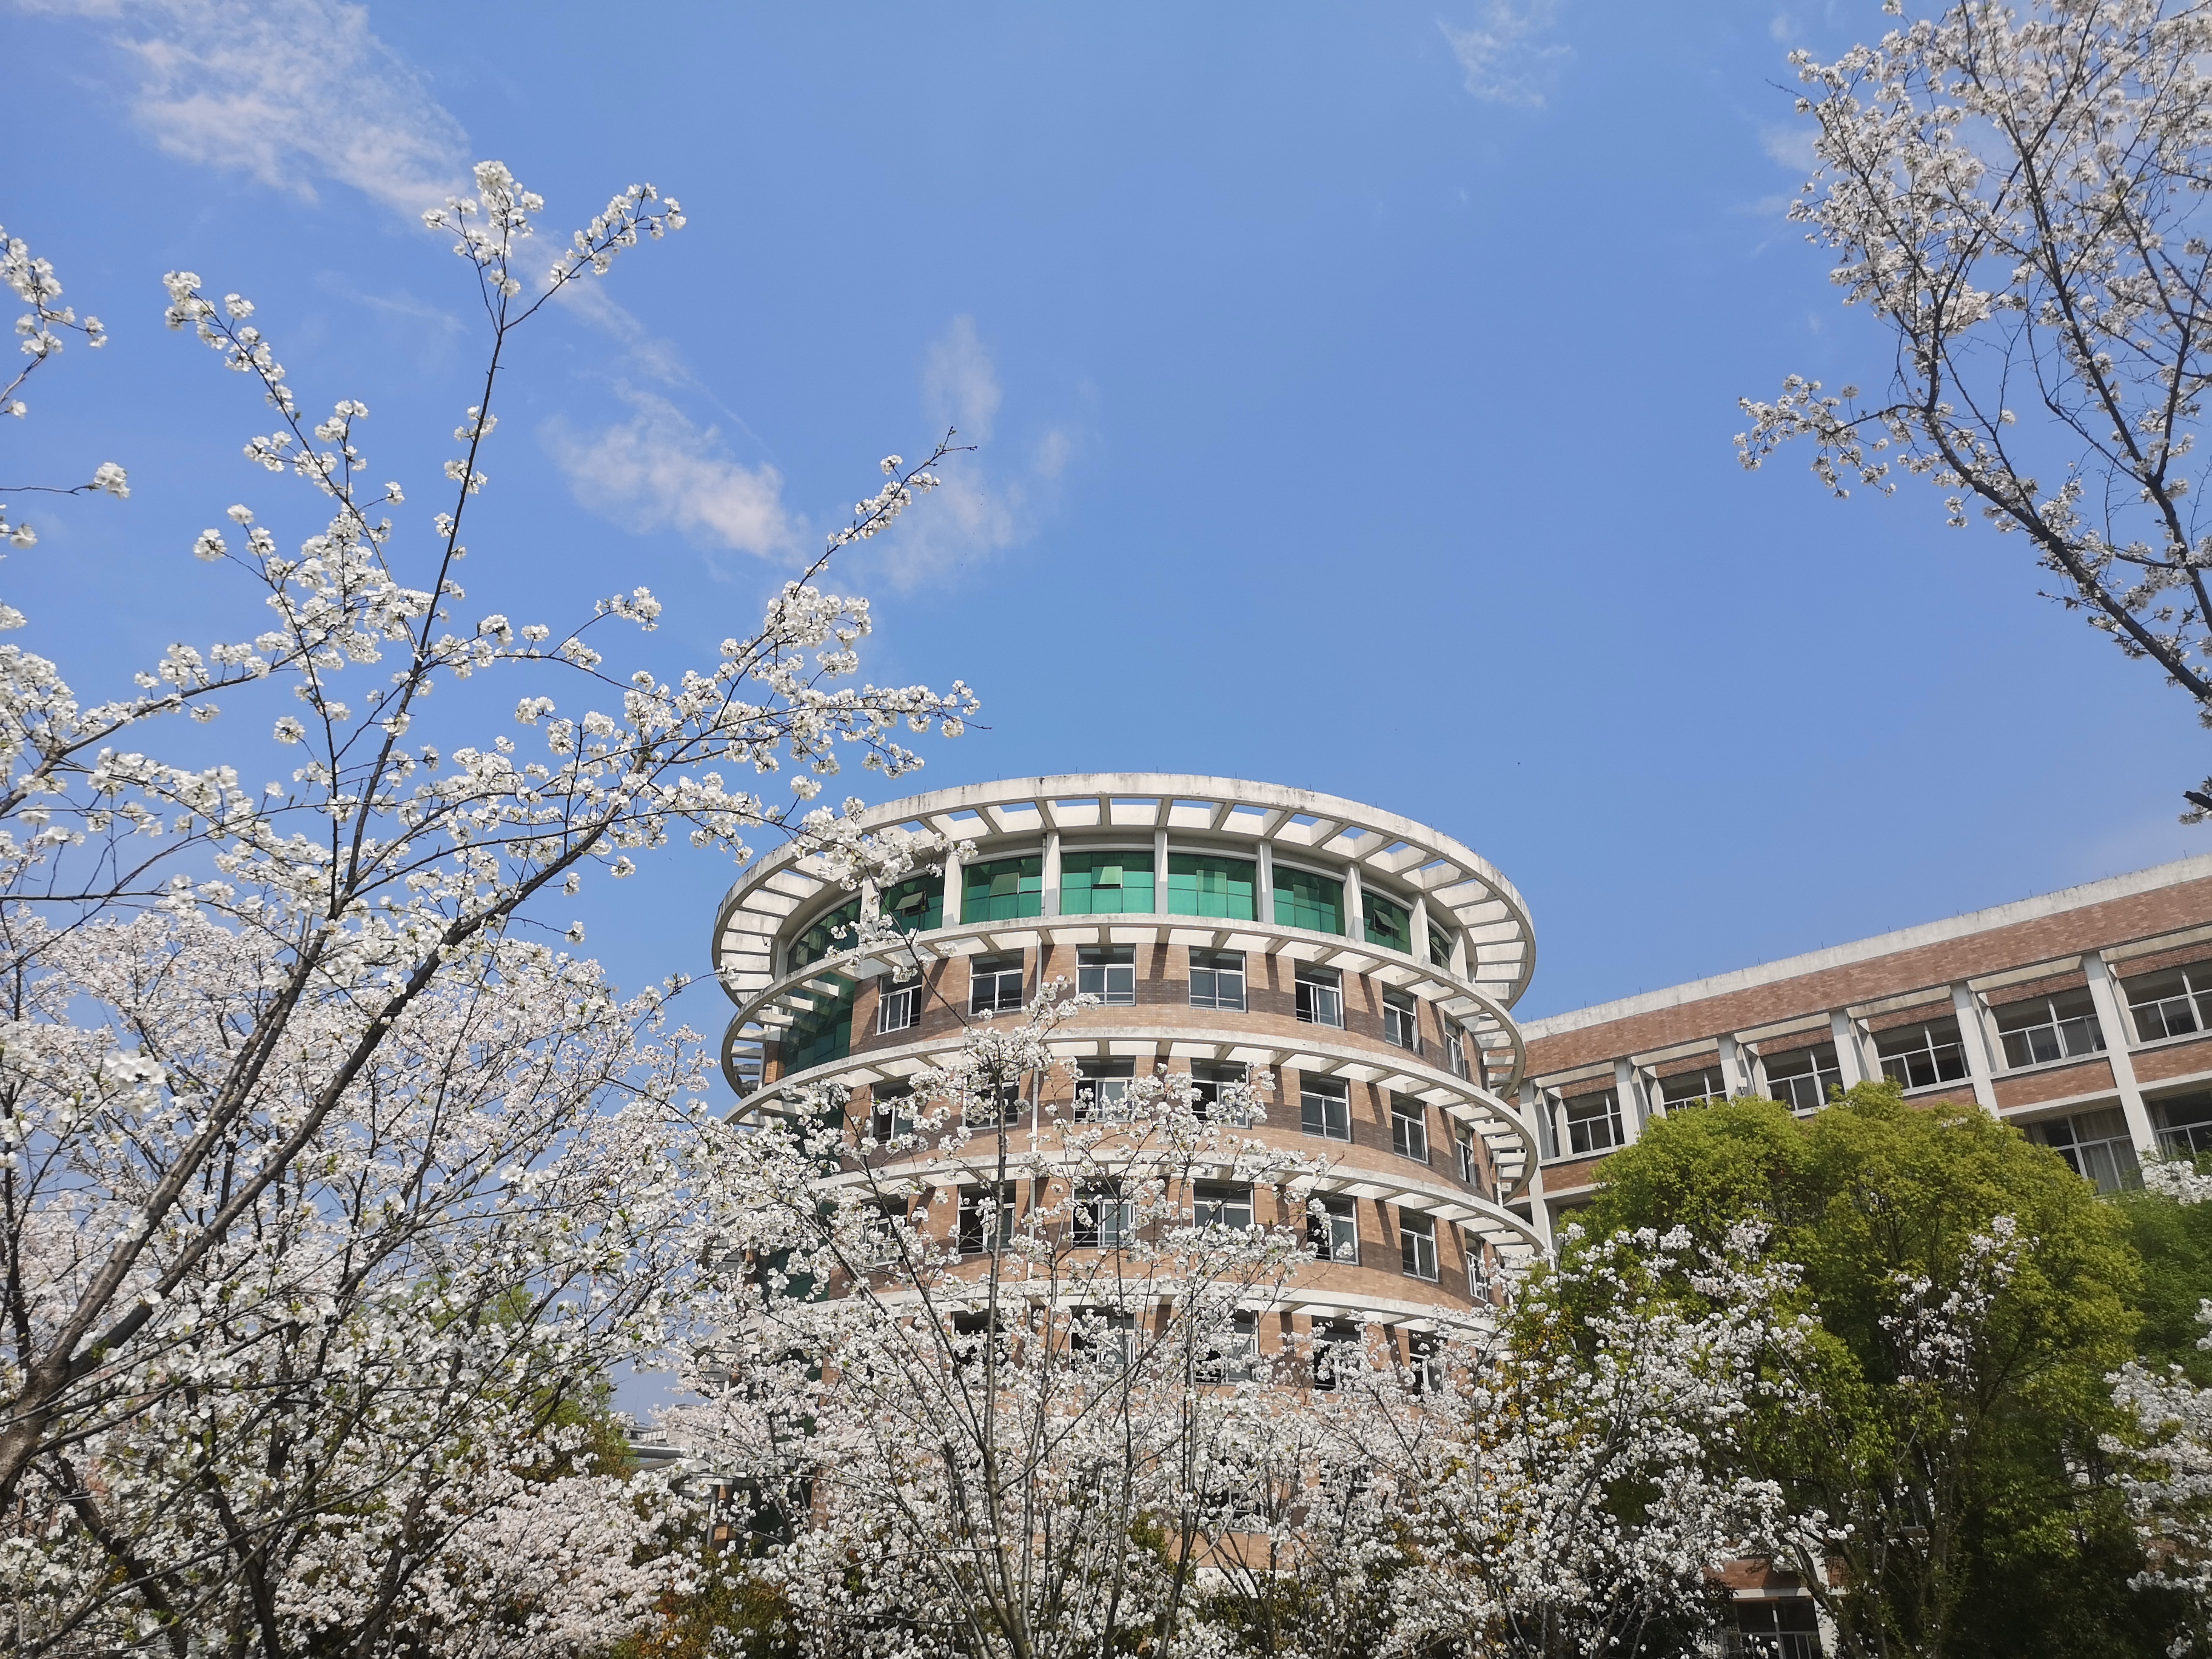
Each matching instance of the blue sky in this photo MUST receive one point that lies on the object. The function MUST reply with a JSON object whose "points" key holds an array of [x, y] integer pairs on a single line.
{"points": [[1354, 389]]}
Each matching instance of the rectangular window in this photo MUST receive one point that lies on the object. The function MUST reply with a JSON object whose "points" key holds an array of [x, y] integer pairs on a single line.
{"points": [[916, 905], [2185, 1125], [1101, 1089], [1217, 980], [1207, 1078], [1108, 972], [2045, 1029], [1102, 1339], [891, 1116], [1221, 1203], [1455, 1051], [1465, 1160], [1201, 885], [994, 1107], [1389, 923], [1692, 1088], [1592, 1123], [1336, 1352], [1332, 1229], [1305, 900], [1922, 1056], [1003, 890], [2171, 1004], [1801, 1078], [1417, 1244], [1325, 1108], [898, 1006], [1105, 883], [830, 932], [986, 1219], [1401, 1021], [1320, 995], [2096, 1146], [995, 985], [1232, 1350], [880, 1243], [1409, 1127], [1439, 947], [1424, 1362], [1104, 1219]]}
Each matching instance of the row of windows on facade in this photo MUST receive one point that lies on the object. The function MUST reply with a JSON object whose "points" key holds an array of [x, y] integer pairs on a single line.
{"points": [[1107, 1337], [2098, 1147], [1123, 884], [1101, 1218], [1102, 1085], [999, 985], [2034, 1032]]}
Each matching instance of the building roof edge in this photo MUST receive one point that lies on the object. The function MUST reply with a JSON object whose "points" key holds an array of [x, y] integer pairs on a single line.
{"points": [[1879, 944]]}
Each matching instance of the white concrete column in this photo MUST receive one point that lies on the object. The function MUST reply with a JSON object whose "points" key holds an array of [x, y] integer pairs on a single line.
{"points": [[1631, 1108], [1160, 870], [1974, 1038], [1460, 964], [1850, 1058], [1263, 879], [952, 889], [1419, 927], [2113, 1014], [1052, 872], [1355, 919], [1538, 1211], [1733, 1076], [1538, 1111]]}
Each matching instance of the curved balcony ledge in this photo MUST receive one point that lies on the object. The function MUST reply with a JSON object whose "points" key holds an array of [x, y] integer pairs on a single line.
{"points": [[1510, 1139], [1312, 1302], [1496, 1225], [1227, 813], [774, 1004]]}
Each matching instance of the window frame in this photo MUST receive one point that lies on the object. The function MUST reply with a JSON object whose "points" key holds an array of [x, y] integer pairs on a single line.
{"points": [[1416, 1230], [995, 968], [1087, 1219], [1104, 1106], [1317, 1089], [1213, 1203], [1585, 1145], [884, 1115], [904, 1000], [1294, 906], [1023, 899], [970, 1208], [1409, 1127], [1114, 959], [1088, 862], [2023, 1045], [1932, 1051], [1225, 905], [1215, 968], [1309, 985], [1822, 1078], [1401, 1020], [1206, 1091], [1337, 1226]]}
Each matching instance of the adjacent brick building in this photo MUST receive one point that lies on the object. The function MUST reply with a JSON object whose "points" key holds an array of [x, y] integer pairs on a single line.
{"points": [[2085, 1016]]}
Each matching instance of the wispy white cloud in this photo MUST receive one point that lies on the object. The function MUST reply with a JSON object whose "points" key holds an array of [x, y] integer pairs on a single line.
{"points": [[1790, 147], [973, 514], [660, 470], [291, 94], [1505, 58]]}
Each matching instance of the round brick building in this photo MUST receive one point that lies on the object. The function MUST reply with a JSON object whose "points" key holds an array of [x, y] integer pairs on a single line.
{"points": [[1364, 964]]}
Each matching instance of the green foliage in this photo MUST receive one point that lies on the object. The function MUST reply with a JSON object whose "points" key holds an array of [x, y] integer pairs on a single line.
{"points": [[1974, 1499], [2175, 1243]]}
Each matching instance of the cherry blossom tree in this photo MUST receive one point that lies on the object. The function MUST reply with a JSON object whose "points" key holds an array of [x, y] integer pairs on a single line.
{"points": [[988, 1332], [2017, 196], [987, 1365], [330, 1183]]}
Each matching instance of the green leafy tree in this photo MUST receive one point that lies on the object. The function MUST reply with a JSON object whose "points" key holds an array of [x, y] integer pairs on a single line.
{"points": [[1971, 1295]]}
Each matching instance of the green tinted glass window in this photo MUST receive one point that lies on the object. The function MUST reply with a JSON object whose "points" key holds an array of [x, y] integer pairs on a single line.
{"points": [[1199, 884], [916, 904], [1105, 883], [1439, 948], [1302, 900], [1002, 889], [1389, 925], [820, 1034], [824, 936]]}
